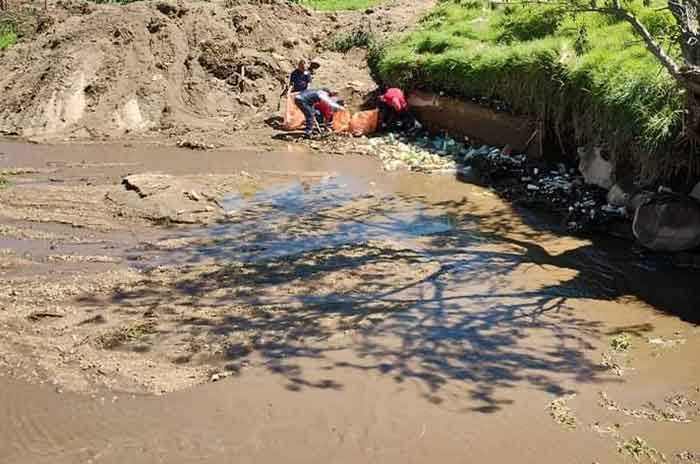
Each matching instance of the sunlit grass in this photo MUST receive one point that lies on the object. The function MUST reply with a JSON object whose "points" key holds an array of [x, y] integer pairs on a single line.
{"points": [[587, 74], [337, 5]]}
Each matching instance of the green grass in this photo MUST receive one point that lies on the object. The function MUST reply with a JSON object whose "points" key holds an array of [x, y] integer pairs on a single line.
{"points": [[587, 76], [7, 38], [356, 39], [339, 5], [8, 34]]}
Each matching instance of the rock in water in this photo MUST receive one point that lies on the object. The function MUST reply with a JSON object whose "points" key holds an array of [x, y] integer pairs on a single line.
{"points": [[596, 170], [617, 196], [667, 222]]}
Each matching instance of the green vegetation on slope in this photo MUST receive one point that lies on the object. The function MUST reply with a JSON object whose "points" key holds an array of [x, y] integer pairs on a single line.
{"points": [[7, 38], [586, 75], [338, 5]]}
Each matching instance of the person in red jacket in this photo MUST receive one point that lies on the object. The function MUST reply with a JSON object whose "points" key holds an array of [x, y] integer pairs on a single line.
{"points": [[394, 112], [325, 111]]}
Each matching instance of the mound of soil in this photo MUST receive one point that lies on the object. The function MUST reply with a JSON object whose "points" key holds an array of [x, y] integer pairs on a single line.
{"points": [[104, 71], [107, 70], [111, 70]]}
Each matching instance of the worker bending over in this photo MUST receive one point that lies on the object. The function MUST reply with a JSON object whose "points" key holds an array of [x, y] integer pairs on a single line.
{"points": [[393, 111], [324, 111], [306, 101]]}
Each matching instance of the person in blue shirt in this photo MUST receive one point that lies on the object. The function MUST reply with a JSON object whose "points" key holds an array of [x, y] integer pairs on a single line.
{"points": [[299, 80], [306, 101]]}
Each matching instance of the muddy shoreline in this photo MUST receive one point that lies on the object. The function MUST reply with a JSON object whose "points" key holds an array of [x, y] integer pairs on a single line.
{"points": [[329, 278]]}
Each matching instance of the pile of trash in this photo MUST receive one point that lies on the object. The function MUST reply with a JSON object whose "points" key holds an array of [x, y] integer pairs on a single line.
{"points": [[559, 189], [431, 156]]}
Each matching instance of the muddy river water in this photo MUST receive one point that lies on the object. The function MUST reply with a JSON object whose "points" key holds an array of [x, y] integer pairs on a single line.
{"points": [[347, 315]]}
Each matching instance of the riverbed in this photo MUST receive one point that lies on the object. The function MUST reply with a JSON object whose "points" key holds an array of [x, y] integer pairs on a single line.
{"points": [[318, 309]]}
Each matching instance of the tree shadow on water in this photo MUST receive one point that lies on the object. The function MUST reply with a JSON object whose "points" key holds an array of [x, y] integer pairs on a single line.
{"points": [[452, 310]]}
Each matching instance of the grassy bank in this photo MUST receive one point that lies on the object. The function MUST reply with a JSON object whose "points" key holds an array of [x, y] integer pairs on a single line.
{"points": [[585, 75], [339, 5]]}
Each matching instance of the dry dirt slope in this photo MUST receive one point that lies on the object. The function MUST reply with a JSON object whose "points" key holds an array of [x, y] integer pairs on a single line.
{"points": [[110, 70], [101, 71]]}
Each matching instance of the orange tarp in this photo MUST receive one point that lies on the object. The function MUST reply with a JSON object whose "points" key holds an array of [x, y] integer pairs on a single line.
{"points": [[364, 123], [293, 116], [361, 123], [341, 121]]}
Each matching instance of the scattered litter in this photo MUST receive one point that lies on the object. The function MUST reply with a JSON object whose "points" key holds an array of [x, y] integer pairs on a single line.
{"points": [[560, 190], [666, 343]]}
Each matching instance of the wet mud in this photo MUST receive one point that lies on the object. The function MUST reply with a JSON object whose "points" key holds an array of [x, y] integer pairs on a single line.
{"points": [[322, 310]]}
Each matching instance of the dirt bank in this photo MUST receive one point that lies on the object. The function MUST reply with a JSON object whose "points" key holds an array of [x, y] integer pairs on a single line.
{"points": [[191, 69]]}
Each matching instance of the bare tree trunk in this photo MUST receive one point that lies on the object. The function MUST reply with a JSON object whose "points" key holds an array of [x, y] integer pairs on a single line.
{"points": [[686, 14]]}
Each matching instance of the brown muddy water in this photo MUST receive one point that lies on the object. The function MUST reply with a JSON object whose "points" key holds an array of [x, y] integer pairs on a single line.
{"points": [[351, 315]]}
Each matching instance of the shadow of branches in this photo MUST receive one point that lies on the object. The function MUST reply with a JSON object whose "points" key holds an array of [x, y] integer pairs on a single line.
{"points": [[457, 301]]}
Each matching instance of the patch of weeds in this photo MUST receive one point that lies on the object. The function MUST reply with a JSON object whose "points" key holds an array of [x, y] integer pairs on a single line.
{"points": [[637, 449], [7, 38], [621, 342], [124, 335], [561, 412], [358, 38], [4, 183]]}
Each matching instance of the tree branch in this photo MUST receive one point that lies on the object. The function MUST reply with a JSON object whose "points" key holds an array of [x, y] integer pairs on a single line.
{"points": [[652, 45], [617, 10]]}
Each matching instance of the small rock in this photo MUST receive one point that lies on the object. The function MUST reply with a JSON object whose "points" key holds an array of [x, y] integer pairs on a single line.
{"points": [[216, 377], [617, 196], [596, 170]]}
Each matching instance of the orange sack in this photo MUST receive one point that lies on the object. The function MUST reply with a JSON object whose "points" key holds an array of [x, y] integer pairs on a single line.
{"points": [[293, 117], [364, 123], [341, 121]]}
